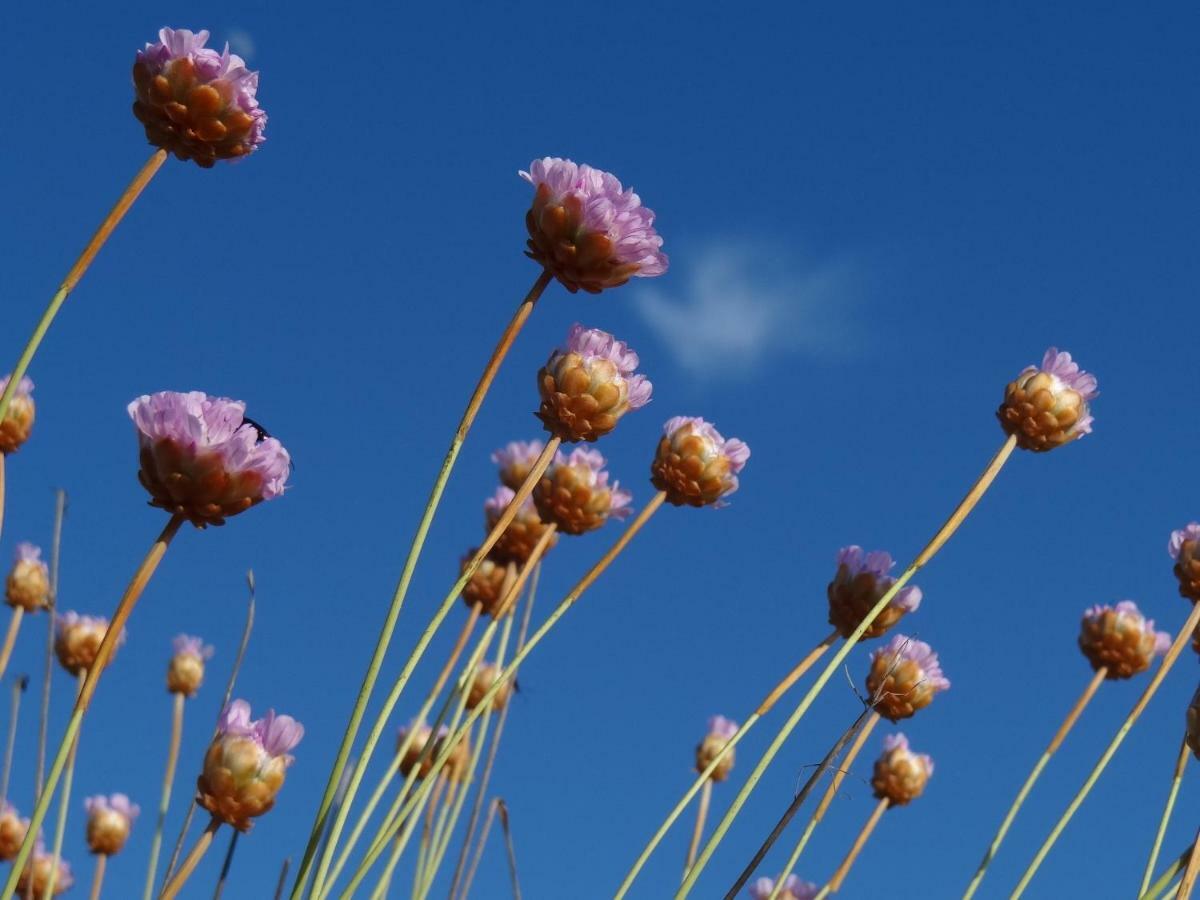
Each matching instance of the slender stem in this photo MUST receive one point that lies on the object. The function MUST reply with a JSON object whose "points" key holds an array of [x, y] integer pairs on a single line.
{"points": [[19, 685], [1164, 667], [60, 513], [410, 564], [282, 883], [483, 836], [389, 705], [481, 793], [1189, 874], [1155, 890], [226, 865], [3, 457], [175, 885], [164, 801], [81, 266], [1180, 764], [452, 740], [835, 883], [434, 809], [64, 802], [10, 637], [98, 875], [939, 539], [508, 846], [1067, 724], [698, 829]]}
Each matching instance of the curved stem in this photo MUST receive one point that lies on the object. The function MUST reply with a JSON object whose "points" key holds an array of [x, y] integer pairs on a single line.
{"points": [[977, 490], [1067, 724], [10, 637], [175, 885], [164, 801], [1180, 764], [1160, 884], [111, 221], [64, 804], [835, 883], [98, 876], [410, 564], [116, 625], [1189, 874], [698, 829], [1164, 667], [483, 836]]}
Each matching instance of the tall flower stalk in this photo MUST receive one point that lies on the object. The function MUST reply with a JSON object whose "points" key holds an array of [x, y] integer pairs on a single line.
{"points": [[1176, 779]]}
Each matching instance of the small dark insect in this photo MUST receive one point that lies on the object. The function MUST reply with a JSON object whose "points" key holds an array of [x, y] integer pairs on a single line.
{"points": [[263, 434]]}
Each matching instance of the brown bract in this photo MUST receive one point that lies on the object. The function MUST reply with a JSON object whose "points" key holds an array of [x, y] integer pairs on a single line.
{"points": [[851, 597], [900, 686], [36, 874], [486, 586], [1040, 412], [578, 258], [689, 472], [900, 776], [185, 674], [485, 677], [200, 122], [520, 537], [582, 398], [565, 497], [1118, 642], [12, 834], [1187, 570], [76, 646], [17, 424], [107, 832], [240, 780], [27, 586], [195, 485], [706, 752]]}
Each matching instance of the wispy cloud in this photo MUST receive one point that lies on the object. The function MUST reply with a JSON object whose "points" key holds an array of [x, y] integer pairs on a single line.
{"points": [[241, 43], [741, 305]]}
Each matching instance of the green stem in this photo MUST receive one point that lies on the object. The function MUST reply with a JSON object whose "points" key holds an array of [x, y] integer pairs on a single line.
{"points": [[164, 800], [1160, 885], [1176, 779], [939, 539], [64, 807]]}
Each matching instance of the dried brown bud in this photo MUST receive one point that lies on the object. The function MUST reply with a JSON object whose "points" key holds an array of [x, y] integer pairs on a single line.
{"points": [[1120, 639], [900, 775], [488, 585], [485, 677]]}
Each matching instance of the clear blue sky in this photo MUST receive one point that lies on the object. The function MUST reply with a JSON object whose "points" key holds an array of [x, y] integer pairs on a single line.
{"points": [[876, 216]]}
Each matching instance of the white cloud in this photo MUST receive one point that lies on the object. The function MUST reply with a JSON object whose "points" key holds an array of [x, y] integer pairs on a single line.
{"points": [[241, 43], [742, 305]]}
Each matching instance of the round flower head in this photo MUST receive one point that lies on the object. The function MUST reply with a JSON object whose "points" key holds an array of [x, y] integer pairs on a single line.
{"points": [[12, 831], [588, 384], [185, 671], [40, 869], [720, 730], [77, 640], [411, 755], [587, 230], [1047, 406], [575, 495], [793, 889], [904, 677], [523, 532], [1121, 639], [17, 423], [900, 775], [861, 581], [1184, 548], [195, 102], [110, 819], [515, 459], [203, 459], [488, 585], [485, 677], [695, 465], [28, 582], [245, 764]]}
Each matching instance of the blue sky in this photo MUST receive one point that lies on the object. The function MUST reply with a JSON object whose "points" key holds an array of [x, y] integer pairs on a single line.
{"points": [[876, 216]]}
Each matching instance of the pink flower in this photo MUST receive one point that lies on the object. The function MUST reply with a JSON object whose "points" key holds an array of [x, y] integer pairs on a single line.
{"points": [[1120, 639], [117, 803], [695, 465], [901, 649], [17, 422], [515, 459], [879, 564], [188, 645], [203, 459], [276, 735], [28, 553], [1048, 406], [722, 727], [24, 387], [575, 493], [1189, 532], [587, 230], [793, 889], [195, 102]]}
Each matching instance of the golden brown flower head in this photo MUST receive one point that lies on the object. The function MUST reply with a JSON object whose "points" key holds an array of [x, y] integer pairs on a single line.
{"points": [[39, 871], [720, 730], [28, 582], [1047, 407], [515, 460], [12, 831], [695, 465], [77, 640], [1184, 548], [905, 676], [185, 671], [575, 493], [523, 532], [110, 820], [860, 582], [485, 677], [900, 775], [1121, 639], [488, 585], [17, 424]]}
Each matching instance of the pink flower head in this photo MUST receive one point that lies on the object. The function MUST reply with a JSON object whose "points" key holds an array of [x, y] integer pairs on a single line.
{"points": [[722, 727], [587, 230], [899, 741], [24, 386], [515, 459], [195, 102], [202, 458], [1189, 532], [879, 564], [1048, 405], [1130, 617], [695, 464], [41, 868], [575, 493], [29, 553], [276, 735], [593, 344], [1120, 640], [116, 803], [793, 889], [592, 463], [186, 644], [901, 649], [495, 505], [16, 425]]}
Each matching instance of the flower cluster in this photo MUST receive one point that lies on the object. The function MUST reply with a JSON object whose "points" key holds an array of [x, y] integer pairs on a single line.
{"points": [[575, 494], [793, 889], [515, 460], [77, 640], [110, 820], [486, 676], [695, 465], [17, 424], [28, 582], [41, 868], [860, 582], [1048, 406], [1184, 547], [517, 541], [900, 775], [904, 677], [1120, 639], [489, 585], [13, 829], [412, 750], [185, 671], [720, 731]]}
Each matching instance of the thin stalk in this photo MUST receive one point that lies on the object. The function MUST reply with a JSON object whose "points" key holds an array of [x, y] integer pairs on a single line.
{"points": [[1161, 883], [389, 705], [1067, 724], [1164, 667], [483, 836], [164, 801], [509, 849], [481, 792], [282, 883], [60, 513], [3, 457], [835, 883], [977, 490], [698, 829], [1180, 764], [175, 885], [506, 675], [226, 865], [98, 875], [1189, 874], [434, 809], [106, 228], [764, 707], [64, 803], [19, 685], [410, 564], [10, 637]]}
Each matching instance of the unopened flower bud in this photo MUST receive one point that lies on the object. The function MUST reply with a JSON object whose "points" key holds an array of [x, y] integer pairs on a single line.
{"points": [[28, 582], [1047, 407], [77, 640], [904, 677], [40, 869], [411, 754], [523, 532], [575, 495], [861, 581], [185, 671], [195, 102], [1121, 639], [695, 465], [17, 424], [486, 676], [1184, 548], [587, 230], [515, 460], [900, 775], [720, 730], [110, 820], [245, 764], [793, 889], [12, 831], [588, 384], [488, 585]]}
